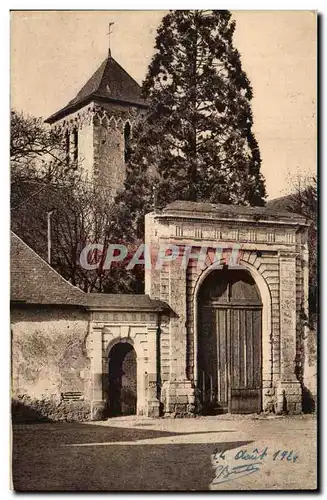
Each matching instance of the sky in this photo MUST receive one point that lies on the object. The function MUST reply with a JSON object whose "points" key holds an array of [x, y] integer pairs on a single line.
{"points": [[54, 53]]}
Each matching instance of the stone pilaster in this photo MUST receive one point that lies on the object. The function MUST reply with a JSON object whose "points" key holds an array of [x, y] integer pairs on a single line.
{"points": [[97, 404], [288, 388], [178, 392], [153, 404]]}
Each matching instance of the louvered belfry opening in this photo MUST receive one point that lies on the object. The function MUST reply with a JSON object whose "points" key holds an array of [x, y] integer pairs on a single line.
{"points": [[229, 343]]}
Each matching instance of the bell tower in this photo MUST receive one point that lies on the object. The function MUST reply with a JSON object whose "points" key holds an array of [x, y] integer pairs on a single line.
{"points": [[97, 124]]}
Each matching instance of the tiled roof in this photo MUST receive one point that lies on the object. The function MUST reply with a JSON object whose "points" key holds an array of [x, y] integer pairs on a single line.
{"points": [[124, 302], [223, 211], [109, 83], [33, 281]]}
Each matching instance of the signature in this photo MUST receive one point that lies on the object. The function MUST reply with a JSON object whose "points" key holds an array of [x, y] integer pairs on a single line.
{"points": [[226, 473]]}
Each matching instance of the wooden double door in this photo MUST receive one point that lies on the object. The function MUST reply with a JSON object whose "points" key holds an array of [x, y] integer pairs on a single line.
{"points": [[229, 343]]}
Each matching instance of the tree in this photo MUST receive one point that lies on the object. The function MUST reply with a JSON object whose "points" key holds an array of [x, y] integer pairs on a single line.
{"points": [[197, 136], [137, 197], [38, 157], [305, 202], [81, 216], [34, 144]]}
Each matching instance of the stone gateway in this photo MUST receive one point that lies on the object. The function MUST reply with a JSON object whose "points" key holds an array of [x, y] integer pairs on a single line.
{"points": [[221, 335], [235, 333]]}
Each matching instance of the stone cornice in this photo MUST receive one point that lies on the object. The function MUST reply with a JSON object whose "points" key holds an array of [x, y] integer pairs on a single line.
{"points": [[227, 232], [236, 221], [100, 318], [95, 114], [73, 108], [287, 254]]}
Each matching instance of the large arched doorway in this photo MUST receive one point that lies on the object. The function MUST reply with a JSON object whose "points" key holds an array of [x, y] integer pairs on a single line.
{"points": [[229, 343], [122, 386]]}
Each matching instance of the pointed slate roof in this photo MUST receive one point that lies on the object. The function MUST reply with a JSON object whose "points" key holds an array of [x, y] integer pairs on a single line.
{"points": [[110, 83]]}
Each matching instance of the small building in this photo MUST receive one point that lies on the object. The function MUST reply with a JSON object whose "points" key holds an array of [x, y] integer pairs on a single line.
{"points": [[219, 329], [78, 356]]}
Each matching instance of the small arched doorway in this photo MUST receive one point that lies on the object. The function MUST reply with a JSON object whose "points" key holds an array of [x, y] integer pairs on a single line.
{"points": [[229, 343], [122, 384]]}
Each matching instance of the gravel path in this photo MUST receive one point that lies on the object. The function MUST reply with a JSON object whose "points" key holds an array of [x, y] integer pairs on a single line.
{"points": [[131, 454]]}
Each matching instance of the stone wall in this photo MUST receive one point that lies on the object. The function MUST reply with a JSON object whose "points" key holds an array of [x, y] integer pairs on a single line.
{"points": [[85, 150], [109, 163], [109, 143], [49, 359], [82, 121]]}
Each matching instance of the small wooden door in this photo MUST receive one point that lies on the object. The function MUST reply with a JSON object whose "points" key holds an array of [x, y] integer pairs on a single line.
{"points": [[122, 384], [229, 343]]}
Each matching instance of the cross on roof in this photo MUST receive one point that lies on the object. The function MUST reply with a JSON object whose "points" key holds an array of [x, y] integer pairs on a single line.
{"points": [[110, 31]]}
